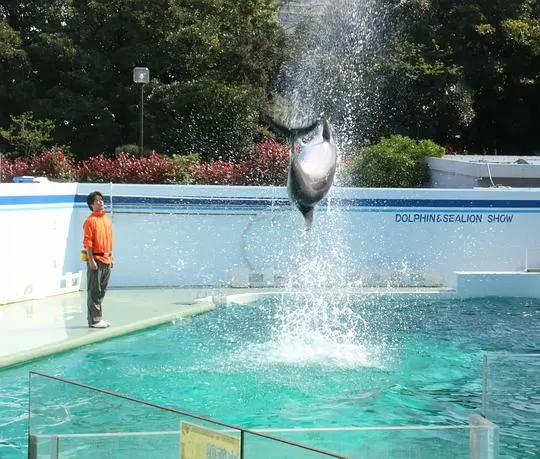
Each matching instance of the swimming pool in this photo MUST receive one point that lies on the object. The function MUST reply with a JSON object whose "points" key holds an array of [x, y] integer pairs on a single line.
{"points": [[314, 360]]}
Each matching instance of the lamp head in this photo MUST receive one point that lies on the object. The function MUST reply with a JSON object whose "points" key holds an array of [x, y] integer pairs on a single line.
{"points": [[141, 75]]}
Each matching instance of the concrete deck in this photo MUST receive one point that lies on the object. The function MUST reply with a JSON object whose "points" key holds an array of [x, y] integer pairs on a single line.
{"points": [[37, 328]]}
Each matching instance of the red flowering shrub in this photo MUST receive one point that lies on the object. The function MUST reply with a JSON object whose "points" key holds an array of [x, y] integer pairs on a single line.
{"points": [[142, 169], [53, 164], [95, 169], [267, 165], [13, 168], [216, 173], [125, 168]]}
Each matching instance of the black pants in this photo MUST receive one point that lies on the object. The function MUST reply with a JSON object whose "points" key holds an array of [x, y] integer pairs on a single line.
{"points": [[97, 281]]}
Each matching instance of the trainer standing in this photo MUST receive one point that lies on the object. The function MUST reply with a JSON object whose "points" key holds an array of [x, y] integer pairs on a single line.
{"points": [[98, 242]]}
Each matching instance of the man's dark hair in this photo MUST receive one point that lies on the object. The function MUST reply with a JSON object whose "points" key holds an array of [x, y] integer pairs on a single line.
{"points": [[91, 197]]}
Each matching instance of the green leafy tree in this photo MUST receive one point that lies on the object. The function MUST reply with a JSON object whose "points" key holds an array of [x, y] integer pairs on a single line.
{"points": [[485, 87], [82, 53], [226, 55], [28, 134], [233, 41], [395, 162], [93, 54], [424, 93], [15, 89], [204, 117]]}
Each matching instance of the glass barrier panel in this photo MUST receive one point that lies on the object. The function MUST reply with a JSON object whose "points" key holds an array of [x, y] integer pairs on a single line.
{"points": [[512, 401], [484, 438], [478, 440], [257, 447], [70, 421]]}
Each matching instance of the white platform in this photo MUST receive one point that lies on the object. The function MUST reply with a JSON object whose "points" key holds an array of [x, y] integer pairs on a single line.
{"points": [[506, 284]]}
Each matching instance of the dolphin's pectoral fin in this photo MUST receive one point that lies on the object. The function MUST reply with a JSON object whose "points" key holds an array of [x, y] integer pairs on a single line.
{"points": [[307, 212], [326, 132]]}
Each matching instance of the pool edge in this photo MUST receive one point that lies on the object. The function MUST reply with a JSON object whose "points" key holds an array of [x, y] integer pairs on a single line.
{"points": [[201, 306], [97, 336]]}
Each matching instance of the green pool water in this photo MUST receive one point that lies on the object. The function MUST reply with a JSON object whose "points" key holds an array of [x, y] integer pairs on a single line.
{"points": [[318, 361]]}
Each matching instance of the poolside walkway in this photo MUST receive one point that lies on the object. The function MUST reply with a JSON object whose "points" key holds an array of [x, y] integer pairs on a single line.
{"points": [[37, 328]]}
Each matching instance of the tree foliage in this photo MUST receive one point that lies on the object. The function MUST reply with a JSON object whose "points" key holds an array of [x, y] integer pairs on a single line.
{"points": [[464, 74], [28, 135], [15, 88], [204, 117], [77, 57], [396, 162]]}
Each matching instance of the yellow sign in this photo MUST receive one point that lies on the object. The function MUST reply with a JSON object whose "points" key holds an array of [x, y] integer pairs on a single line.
{"points": [[198, 442]]}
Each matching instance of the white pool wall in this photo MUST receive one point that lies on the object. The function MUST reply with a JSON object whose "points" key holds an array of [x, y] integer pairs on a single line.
{"points": [[241, 236]]}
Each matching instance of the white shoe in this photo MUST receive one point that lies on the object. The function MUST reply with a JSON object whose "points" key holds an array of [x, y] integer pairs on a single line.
{"points": [[101, 324]]}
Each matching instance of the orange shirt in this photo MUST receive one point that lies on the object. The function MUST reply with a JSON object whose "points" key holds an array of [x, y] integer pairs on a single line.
{"points": [[98, 235]]}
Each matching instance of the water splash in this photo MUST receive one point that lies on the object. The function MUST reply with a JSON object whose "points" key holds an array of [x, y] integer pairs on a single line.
{"points": [[318, 328], [313, 325], [321, 256], [306, 329], [329, 70], [330, 67]]}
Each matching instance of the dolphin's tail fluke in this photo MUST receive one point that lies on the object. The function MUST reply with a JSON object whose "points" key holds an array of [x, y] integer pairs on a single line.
{"points": [[291, 133], [287, 120], [307, 212]]}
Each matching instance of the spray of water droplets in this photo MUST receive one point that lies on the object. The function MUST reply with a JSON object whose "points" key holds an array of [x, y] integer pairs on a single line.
{"points": [[328, 72], [330, 67]]}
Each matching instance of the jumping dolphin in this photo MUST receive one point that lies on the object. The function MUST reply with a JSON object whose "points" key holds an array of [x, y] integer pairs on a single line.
{"points": [[312, 165], [311, 171]]}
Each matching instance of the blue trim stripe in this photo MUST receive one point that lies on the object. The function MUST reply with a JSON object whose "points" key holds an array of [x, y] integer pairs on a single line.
{"points": [[441, 203], [36, 200], [244, 203], [127, 201]]}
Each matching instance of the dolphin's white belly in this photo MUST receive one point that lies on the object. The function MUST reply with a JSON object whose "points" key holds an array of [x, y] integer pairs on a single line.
{"points": [[317, 160]]}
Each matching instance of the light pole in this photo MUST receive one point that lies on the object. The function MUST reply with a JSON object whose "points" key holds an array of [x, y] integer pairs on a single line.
{"points": [[141, 75]]}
